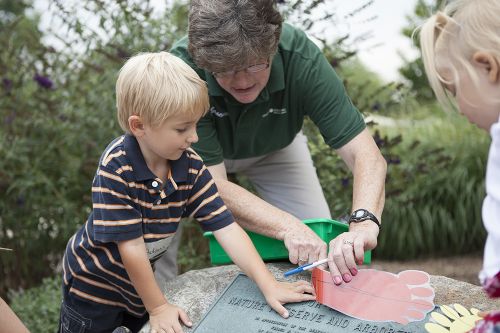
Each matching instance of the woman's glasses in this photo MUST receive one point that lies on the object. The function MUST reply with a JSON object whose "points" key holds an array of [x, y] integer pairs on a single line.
{"points": [[250, 70]]}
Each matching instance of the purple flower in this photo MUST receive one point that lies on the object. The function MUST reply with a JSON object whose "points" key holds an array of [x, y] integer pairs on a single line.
{"points": [[376, 106], [20, 201], [379, 141], [394, 160], [9, 119], [345, 182], [7, 84], [43, 81], [121, 53]]}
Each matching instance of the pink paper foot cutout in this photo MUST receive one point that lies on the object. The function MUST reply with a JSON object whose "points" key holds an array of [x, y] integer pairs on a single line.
{"points": [[377, 295]]}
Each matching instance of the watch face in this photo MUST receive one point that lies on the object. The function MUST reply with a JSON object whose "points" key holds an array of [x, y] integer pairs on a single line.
{"points": [[360, 213]]}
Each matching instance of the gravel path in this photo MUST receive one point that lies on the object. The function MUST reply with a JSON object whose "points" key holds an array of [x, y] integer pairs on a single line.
{"points": [[463, 268]]}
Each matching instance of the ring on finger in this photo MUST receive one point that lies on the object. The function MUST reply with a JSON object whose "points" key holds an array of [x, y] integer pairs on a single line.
{"points": [[348, 242]]}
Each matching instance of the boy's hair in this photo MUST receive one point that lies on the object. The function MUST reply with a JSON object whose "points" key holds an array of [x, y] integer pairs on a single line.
{"points": [[450, 38], [156, 86]]}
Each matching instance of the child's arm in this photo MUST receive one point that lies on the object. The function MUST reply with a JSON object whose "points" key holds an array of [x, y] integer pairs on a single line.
{"points": [[162, 315], [238, 245], [9, 322]]}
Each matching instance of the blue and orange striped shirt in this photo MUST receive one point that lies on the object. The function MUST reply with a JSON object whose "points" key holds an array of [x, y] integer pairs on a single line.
{"points": [[129, 201]]}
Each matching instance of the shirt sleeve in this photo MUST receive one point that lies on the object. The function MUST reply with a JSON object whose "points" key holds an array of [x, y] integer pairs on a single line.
{"points": [[329, 106], [205, 204], [114, 214]]}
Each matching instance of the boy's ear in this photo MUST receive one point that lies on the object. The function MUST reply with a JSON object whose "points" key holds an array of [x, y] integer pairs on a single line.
{"points": [[136, 125], [488, 62]]}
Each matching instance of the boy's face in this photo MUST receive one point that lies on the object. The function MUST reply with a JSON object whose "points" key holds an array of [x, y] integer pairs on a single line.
{"points": [[172, 138]]}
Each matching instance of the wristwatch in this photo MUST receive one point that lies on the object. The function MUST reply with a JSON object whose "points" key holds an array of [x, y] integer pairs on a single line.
{"points": [[360, 215]]}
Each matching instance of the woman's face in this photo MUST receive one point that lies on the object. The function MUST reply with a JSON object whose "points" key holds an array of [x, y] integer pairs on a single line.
{"points": [[245, 84]]}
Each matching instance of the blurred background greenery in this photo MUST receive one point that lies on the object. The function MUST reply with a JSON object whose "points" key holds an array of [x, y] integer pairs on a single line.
{"points": [[57, 110]]}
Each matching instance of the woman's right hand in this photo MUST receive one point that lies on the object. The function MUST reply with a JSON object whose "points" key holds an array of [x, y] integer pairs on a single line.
{"points": [[165, 319]]}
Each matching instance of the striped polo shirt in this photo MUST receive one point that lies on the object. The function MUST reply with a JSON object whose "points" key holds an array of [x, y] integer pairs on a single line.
{"points": [[129, 201]]}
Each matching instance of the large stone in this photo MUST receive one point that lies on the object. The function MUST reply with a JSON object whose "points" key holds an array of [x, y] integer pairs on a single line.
{"points": [[196, 290]]}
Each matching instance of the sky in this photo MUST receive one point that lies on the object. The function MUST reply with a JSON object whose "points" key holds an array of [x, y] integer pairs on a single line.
{"points": [[386, 32], [385, 29]]}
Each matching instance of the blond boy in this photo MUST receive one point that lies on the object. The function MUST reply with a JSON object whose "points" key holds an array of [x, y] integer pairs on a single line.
{"points": [[146, 181]]}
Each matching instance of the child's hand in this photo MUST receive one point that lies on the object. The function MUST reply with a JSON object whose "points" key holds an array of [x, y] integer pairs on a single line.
{"points": [[165, 318], [280, 293]]}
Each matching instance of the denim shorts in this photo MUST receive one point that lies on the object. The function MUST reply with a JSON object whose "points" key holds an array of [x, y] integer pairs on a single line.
{"points": [[82, 316], [73, 322]]}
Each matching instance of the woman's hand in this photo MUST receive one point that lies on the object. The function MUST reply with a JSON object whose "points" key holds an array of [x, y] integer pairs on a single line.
{"points": [[348, 249]]}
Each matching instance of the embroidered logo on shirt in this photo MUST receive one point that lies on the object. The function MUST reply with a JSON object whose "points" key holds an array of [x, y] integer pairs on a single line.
{"points": [[216, 113], [274, 111]]}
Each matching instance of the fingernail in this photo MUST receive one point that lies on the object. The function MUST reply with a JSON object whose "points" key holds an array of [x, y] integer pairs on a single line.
{"points": [[354, 271], [347, 277], [190, 323], [337, 280], [285, 314]]}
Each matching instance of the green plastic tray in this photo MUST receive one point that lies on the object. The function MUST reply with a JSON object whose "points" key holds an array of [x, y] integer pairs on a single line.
{"points": [[273, 249]]}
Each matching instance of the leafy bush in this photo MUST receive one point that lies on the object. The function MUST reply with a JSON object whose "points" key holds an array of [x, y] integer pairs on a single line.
{"points": [[58, 110], [435, 190], [39, 307]]}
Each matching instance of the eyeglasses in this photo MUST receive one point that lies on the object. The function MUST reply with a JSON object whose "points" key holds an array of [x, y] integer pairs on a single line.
{"points": [[250, 70]]}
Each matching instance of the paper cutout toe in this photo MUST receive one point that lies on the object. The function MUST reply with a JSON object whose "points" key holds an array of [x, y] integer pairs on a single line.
{"points": [[377, 295], [453, 320]]}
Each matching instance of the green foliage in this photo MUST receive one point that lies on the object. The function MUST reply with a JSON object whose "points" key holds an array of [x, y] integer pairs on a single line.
{"points": [[194, 252], [58, 109], [435, 190], [413, 69], [38, 308]]}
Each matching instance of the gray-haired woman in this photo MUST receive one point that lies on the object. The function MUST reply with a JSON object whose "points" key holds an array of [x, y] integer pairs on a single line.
{"points": [[264, 77]]}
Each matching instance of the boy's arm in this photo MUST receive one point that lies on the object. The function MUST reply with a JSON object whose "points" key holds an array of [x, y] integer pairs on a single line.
{"points": [[239, 247], [134, 257], [162, 315]]}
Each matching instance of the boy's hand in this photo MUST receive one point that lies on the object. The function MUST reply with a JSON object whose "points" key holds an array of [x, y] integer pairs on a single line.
{"points": [[280, 293], [165, 319]]}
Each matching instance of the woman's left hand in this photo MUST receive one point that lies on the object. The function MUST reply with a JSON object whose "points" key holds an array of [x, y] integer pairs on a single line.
{"points": [[348, 249]]}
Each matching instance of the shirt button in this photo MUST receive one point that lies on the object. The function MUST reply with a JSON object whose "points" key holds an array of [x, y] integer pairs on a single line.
{"points": [[154, 183], [158, 202]]}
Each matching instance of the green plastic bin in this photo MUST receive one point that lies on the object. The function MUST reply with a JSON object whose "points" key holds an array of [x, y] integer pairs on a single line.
{"points": [[273, 249]]}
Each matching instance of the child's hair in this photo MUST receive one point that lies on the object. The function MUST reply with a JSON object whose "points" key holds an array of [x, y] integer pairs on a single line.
{"points": [[449, 39], [156, 86]]}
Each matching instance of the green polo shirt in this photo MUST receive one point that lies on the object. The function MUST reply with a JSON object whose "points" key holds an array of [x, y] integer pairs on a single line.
{"points": [[302, 83]]}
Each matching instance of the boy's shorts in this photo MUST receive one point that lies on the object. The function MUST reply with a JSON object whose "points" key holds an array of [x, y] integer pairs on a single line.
{"points": [[80, 316]]}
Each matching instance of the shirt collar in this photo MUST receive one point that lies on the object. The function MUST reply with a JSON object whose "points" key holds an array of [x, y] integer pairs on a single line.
{"points": [[179, 168]]}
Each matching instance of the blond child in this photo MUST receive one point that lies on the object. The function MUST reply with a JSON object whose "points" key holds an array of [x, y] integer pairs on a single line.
{"points": [[146, 181], [461, 54]]}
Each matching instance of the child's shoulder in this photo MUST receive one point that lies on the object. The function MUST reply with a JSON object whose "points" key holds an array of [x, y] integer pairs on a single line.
{"points": [[193, 155], [114, 156]]}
